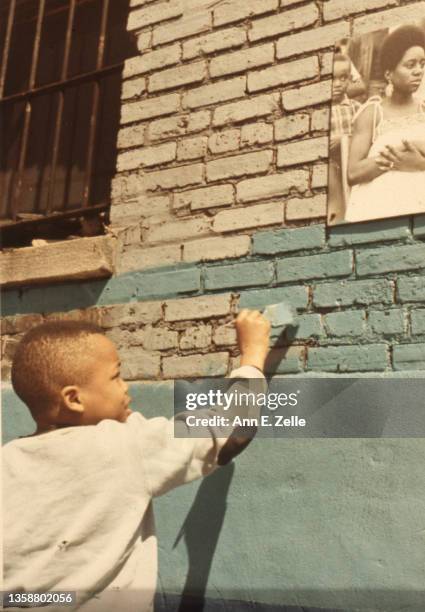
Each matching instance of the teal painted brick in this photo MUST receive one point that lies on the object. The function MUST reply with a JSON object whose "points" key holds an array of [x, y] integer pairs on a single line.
{"points": [[285, 360], [411, 289], [409, 357], [388, 229], [239, 275], [387, 322], [349, 293], [167, 283], [116, 290], [370, 358], [418, 321], [297, 297], [349, 323], [63, 297], [390, 259], [287, 240], [306, 326], [327, 265], [419, 226]]}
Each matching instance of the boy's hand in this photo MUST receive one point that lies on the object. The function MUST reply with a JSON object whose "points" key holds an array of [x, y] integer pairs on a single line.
{"points": [[253, 331]]}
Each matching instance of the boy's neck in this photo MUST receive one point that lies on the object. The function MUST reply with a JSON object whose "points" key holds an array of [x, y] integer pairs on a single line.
{"points": [[46, 427]]}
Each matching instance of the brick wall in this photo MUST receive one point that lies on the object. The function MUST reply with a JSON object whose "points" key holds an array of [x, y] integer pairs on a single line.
{"points": [[220, 199]]}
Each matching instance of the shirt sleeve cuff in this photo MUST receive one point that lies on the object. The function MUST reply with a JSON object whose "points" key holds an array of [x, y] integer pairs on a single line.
{"points": [[247, 371]]}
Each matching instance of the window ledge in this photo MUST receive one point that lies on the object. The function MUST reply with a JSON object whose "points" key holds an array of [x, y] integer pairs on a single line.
{"points": [[82, 258]]}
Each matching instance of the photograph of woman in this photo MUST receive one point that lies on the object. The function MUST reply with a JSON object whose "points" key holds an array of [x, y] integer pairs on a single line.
{"points": [[377, 159]]}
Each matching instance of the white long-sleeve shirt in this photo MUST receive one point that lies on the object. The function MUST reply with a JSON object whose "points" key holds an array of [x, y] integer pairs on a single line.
{"points": [[77, 506]]}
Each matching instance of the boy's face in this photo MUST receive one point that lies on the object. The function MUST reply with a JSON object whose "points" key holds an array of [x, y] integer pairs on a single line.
{"points": [[341, 80], [104, 395]]}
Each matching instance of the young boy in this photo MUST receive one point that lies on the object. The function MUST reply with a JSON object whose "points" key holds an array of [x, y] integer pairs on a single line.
{"points": [[78, 493], [342, 114]]}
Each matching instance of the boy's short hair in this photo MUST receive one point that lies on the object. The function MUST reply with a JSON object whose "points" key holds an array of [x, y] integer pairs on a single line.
{"points": [[48, 358]]}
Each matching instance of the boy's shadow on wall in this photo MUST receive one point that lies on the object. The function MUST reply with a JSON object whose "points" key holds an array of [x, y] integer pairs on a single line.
{"points": [[201, 531], [202, 526]]}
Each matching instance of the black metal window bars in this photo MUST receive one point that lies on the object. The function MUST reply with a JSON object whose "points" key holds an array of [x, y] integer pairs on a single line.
{"points": [[25, 200]]}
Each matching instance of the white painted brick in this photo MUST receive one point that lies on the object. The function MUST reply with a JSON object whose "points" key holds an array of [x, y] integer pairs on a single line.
{"points": [[240, 61], [319, 176], [191, 6], [111, 316], [389, 18], [130, 235], [272, 186], [311, 40], [335, 9], [292, 126], [239, 165], [179, 125], [147, 156], [152, 60], [216, 248], [182, 176], [144, 40], [134, 3], [216, 92], [203, 307], [256, 134], [133, 88], [192, 148], [286, 21], [309, 95], [196, 337], [132, 136], [147, 109], [326, 63], [177, 77], [123, 214], [177, 230], [123, 338], [212, 364], [302, 151], [320, 120], [142, 313], [225, 335], [306, 208], [159, 339], [207, 197], [126, 187], [235, 10], [193, 24], [221, 142], [148, 15], [137, 258], [259, 106], [299, 70], [138, 364], [253, 216], [217, 41]]}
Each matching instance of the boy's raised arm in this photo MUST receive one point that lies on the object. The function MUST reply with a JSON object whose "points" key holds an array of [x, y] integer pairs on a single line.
{"points": [[253, 331], [172, 452]]}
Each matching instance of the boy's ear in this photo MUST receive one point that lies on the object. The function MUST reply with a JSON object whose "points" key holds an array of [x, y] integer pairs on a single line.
{"points": [[72, 399]]}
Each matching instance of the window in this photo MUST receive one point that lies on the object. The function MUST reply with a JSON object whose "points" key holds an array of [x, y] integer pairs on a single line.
{"points": [[60, 81]]}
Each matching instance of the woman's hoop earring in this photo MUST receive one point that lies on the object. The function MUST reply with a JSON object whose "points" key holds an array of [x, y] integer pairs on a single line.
{"points": [[389, 89]]}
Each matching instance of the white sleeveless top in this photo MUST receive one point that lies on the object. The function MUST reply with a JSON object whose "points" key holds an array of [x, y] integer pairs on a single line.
{"points": [[393, 193]]}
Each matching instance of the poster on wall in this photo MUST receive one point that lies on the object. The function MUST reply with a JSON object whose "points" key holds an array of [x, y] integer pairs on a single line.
{"points": [[377, 133]]}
